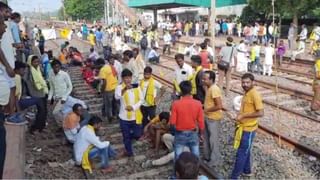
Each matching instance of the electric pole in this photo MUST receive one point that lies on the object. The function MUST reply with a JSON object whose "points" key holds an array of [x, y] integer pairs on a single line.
{"points": [[105, 11], [212, 24]]}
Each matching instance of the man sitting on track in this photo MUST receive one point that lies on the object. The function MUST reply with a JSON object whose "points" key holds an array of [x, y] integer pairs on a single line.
{"points": [[87, 146], [72, 123], [60, 90], [157, 127]]}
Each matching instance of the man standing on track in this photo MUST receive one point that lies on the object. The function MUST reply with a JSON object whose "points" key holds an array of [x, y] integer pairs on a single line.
{"points": [[8, 50], [4, 96], [247, 124], [196, 79], [183, 72], [213, 117], [60, 86], [187, 117], [227, 61], [130, 115], [150, 88], [108, 74]]}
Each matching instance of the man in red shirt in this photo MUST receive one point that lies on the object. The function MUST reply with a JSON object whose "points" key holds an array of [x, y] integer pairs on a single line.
{"points": [[187, 118]]}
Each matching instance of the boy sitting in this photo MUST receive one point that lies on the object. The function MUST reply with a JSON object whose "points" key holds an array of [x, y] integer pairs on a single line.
{"points": [[156, 128]]}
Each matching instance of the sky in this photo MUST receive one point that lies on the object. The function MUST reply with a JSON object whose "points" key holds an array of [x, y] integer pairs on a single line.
{"points": [[31, 5]]}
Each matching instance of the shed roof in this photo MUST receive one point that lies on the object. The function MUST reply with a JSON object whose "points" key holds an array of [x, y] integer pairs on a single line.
{"points": [[167, 4]]}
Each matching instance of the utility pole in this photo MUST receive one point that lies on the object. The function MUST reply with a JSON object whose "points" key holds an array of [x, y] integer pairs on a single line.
{"points": [[105, 11], [113, 11], [40, 13], [64, 10], [212, 24], [108, 11]]}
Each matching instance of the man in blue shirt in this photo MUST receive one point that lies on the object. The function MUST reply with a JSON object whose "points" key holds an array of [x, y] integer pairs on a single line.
{"points": [[14, 27], [84, 30], [99, 36], [16, 18]]}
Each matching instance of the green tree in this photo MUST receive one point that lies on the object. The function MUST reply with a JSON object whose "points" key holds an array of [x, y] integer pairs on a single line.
{"points": [[285, 8], [84, 9]]}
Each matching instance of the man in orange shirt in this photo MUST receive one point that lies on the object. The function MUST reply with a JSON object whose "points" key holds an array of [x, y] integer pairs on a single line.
{"points": [[71, 124], [247, 123], [187, 118]]}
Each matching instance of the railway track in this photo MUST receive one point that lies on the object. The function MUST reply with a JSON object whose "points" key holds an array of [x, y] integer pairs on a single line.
{"points": [[295, 71], [311, 150], [84, 92], [289, 100], [288, 95], [128, 168]]}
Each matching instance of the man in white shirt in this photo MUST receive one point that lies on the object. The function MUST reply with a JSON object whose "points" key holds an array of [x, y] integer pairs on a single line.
{"points": [[93, 55], [60, 88], [182, 73], [242, 59], [118, 43], [60, 83], [270, 32], [301, 43], [153, 55], [291, 35], [268, 60], [167, 42], [130, 115], [303, 36], [130, 63], [88, 146], [150, 88], [5, 68], [7, 46]]}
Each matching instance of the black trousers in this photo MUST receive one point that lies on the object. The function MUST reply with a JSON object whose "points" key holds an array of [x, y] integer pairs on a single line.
{"points": [[148, 112], [3, 145], [41, 117], [167, 47]]}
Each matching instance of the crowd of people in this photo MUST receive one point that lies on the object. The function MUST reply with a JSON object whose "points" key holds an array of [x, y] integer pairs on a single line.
{"points": [[32, 77]]}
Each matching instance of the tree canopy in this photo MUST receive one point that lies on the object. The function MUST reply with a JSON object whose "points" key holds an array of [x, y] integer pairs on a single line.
{"points": [[84, 9], [287, 8]]}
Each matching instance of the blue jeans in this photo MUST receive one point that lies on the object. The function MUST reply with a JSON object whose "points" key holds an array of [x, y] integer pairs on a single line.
{"points": [[186, 138], [41, 116], [243, 161], [148, 112], [104, 155], [130, 130], [257, 66]]}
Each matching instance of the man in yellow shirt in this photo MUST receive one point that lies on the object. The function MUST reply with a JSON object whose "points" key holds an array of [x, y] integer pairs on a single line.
{"points": [[247, 123], [92, 39], [213, 117], [108, 75]]}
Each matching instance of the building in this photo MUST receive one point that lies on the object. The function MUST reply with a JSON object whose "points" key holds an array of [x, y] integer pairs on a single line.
{"points": [[180, 10]]}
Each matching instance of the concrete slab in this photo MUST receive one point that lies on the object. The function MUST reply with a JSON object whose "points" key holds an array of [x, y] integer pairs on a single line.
{"points": [[15, 157]]}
